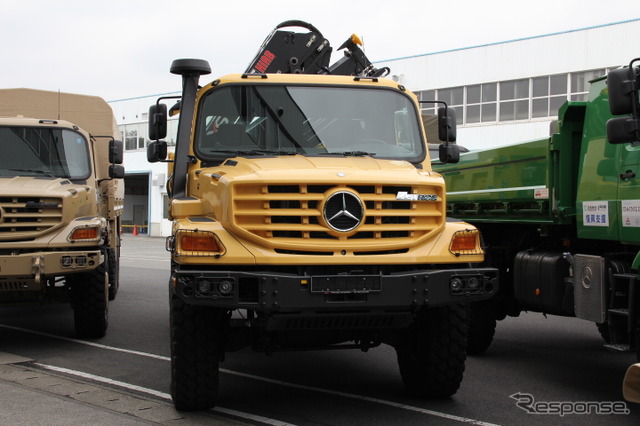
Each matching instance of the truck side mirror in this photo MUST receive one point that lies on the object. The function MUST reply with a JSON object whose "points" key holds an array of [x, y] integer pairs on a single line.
{"points": [[157, 122], [446, 124], [116, 171], [156, 151], [623, 129], [449, 153], [623, 86], [116, 152]]}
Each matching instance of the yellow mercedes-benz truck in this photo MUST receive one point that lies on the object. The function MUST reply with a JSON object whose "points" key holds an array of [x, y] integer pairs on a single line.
{"points": [[306, 216], [61, 197]]}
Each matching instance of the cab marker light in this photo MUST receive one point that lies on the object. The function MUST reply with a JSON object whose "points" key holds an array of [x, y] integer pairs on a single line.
{"points": [[84, 233], [466, 242]]}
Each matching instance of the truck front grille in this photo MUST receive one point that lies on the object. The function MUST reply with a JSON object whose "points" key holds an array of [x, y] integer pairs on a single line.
{"points": [[24, 218], [289, 218]]}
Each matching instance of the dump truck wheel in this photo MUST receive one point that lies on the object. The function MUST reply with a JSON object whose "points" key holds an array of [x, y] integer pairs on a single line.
{"points": [[195, 355], [482, 327], [432, 352], [113, 267], [89, 296]]}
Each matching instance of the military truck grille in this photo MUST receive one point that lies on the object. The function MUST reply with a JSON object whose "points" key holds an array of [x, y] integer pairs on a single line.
{"points": [[23, 218], [289, 218]]}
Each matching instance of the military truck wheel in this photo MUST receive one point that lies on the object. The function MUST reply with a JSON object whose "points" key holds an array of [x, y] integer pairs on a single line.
{"points": [[89, 298], [113, 267], [432, 352], [482, 327], [195, 355]]}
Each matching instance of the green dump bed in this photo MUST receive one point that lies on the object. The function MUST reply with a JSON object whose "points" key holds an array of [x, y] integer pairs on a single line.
{"points": [[527, 182]]}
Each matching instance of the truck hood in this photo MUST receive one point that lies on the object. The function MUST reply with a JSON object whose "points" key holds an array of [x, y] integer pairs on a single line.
{"points": [[34, 208], [289, 167], [29, 185]]}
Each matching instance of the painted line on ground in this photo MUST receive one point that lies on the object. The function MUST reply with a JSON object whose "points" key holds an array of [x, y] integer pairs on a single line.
{"points": [[158, 394], [125, 258], [272, 381]]}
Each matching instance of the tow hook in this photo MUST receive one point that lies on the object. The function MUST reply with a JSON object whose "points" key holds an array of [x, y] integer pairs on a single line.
{"points": [[37, 268]]}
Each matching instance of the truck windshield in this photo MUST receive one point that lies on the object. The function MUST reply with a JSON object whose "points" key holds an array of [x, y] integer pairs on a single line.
{"points": [[307, 120], [40, 151]]}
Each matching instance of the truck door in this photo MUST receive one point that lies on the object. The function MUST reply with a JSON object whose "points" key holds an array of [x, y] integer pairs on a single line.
{"points": [[629, 192]]}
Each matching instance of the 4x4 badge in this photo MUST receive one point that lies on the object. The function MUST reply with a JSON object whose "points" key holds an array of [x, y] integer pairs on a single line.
{"points": [[405, 196]]}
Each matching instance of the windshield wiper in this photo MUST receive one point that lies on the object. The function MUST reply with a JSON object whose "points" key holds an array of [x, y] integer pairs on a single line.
{"points": [[350, 153], [39, 172], [254, 152], [239, 151], [268, 151]]}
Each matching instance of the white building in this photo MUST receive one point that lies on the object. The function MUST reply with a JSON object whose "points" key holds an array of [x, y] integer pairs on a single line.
{"points": [[503, 93]]}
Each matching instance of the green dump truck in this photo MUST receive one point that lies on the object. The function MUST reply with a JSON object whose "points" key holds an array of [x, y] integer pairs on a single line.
{"points": [[560, 216]]}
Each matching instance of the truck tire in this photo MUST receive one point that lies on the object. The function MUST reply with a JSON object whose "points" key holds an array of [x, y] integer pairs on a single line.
{"points": [[432, 352], [89, 298], [482, 327], [195, 355], [113, 262]]}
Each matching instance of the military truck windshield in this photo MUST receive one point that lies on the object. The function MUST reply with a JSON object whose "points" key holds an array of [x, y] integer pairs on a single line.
{"points": [[279, 120], [40, 151]]}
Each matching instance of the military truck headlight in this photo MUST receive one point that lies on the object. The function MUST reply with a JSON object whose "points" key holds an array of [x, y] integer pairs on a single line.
{"points": [[204, 286], [225, 287], [456, 285], [474, 283]]}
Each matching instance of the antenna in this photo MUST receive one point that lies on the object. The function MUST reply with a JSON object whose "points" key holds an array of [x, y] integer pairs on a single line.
{"points": [[58, 104]]}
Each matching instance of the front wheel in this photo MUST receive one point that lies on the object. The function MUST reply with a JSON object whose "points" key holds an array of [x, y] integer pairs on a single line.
{"points": [[482, 327], [89, 299], [432, 352], [196, 347]]}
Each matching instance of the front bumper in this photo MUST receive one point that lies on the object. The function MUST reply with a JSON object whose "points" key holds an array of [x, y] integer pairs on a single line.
{"points": [[272, 292], [27, 272]]}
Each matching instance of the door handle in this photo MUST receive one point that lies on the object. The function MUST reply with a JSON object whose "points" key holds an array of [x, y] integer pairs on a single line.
{"points": [[629, 174]]}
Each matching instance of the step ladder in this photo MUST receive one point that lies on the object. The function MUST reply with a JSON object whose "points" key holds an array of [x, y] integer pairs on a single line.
{"points": [[623, 311]]}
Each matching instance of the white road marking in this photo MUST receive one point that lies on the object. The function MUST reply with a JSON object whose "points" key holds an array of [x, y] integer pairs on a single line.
{"points": [[156, 393], [267, 380], [125, 258]]}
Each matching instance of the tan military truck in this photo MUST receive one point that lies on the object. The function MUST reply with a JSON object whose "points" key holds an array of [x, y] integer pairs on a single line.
{"points": [[306, 216], [61, 198]]}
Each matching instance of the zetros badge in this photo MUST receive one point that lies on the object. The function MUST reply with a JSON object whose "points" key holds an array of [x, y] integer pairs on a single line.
{"points": [[405, 196]]}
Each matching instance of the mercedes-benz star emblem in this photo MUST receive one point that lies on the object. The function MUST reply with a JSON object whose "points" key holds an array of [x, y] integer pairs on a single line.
{"points": [[343, 211]]}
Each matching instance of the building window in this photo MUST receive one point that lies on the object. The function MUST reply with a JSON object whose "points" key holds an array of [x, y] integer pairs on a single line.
{"points": [[165, 206], [548, 94], [454, 97], [481, 103], [580, 83], [514, 100], [522, 99], [130, 140]]}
